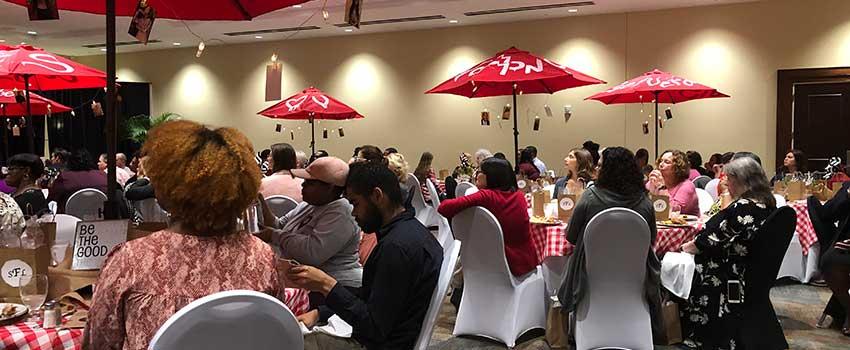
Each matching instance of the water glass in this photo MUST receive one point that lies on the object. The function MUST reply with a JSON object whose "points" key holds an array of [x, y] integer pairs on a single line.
{"points": [[33, 291]]}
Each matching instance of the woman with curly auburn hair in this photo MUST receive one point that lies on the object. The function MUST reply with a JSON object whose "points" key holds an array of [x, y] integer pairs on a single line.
{"points": [[670, 178], [204, 178]]}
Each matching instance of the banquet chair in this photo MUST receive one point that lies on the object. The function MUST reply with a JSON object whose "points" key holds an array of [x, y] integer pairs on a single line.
{"points": [[435, 195], [705, 200], [554, 270], [444, 233], [758, 327], [701, 181], [236, 319], [614, 312], [711, 188], [280, 205], [150, 211], [463, 189], [449, 261], [66, 227], [86, 204], [495, 304], [424, 212]]}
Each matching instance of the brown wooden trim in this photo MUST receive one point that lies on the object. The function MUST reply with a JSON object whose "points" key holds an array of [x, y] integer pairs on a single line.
{"points": [[786, 78]]}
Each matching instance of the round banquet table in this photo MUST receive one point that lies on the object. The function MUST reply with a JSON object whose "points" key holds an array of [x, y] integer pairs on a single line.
{"points": [[670, 239], [800, 261], [30, 336]]}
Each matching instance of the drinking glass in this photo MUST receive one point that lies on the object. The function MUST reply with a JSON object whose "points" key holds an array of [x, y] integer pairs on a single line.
{"points": [[33, 291]]}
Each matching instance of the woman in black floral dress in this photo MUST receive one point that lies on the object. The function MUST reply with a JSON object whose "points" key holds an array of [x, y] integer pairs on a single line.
{"points": [[721, 251]]}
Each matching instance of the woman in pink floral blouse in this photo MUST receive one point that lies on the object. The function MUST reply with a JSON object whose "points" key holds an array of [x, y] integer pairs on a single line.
{"points": [[204, 178]]}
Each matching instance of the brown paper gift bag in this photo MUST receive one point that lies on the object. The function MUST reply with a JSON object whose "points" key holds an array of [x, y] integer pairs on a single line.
{"points": [[796, 191], [566, 205], [661, 204], [671, 333], [16, 262], [523, 184], [557, 326], [538, 202], [779, 188]]}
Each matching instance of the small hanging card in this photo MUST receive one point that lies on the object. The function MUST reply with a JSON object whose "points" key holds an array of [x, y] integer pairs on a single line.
{"points": [[16, 131], [506, 112], [93, 240], [142, 22], [325, 133], [646, 128], [566, 205], [274, 81], [292, 135], [485, 118], [341, 132], [97, 109], [568, 113], [278, 127], [536, 123], [661, 205], [547, 110], [538, 202], [40, 10], [796, 191]]}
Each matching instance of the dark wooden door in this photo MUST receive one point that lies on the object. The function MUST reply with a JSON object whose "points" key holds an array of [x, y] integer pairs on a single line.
{"points": [[821, 121]]}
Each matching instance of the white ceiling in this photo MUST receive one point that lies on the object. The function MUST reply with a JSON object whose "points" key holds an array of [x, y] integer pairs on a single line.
{"points": [[68, 35]]}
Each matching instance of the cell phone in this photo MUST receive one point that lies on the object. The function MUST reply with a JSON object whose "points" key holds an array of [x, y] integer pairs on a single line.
{"points": [[736, 295]]}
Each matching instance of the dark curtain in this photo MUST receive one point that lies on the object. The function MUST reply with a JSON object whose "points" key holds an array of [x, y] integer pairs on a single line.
{"points": [[83, 129]]}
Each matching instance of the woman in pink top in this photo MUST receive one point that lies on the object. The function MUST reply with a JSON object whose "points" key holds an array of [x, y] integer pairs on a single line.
{"points": [[281, 183], [671, 178]]}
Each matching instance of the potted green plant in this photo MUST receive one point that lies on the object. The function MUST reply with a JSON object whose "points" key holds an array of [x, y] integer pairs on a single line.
{"points": [[138, 126]]}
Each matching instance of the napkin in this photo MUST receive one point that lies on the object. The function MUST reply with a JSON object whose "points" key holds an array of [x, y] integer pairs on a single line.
{"points": [[336, 327], [677, 273]]}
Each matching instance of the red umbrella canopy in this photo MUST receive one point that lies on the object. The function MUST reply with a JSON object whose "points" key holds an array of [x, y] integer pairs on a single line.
{"points": [[497, 75], [670, 89], [208, 10], [9, 107], [46, 70], [309, 103]]}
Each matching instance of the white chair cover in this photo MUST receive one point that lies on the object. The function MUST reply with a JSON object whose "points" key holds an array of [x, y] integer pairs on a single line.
{"points": [[450, 257], [435, 196], [423, 211], [614, 312], [444, 234], [554, 270], [86, 204], [780, 201], [280, 205], [463, 189], [711, 188], [66, 227], [150, 211], [495, 304], [237, 319], [705, 200]]}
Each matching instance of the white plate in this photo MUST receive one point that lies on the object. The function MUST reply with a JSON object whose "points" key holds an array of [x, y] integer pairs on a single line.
{"points": [[689, 217], [19, 310]]}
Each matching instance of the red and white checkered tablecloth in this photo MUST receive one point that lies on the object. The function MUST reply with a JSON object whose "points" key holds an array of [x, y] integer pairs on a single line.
{"points": [[670, 239], [30, 336], [805, 231], [550, 240]]}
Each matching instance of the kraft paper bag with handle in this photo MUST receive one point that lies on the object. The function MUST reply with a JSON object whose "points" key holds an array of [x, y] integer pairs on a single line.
{"points": [[557, 326], [538, 202], [796, 191], [523, 184], [779, 187], [672, 327], [566, 205], [661, 204], [17, 262]]}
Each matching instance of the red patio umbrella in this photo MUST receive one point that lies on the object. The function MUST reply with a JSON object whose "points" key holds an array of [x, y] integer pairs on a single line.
{"points": [[25, 67], [10, 107], [513, 72], [205, 10], [658, 87], [311, 104]]}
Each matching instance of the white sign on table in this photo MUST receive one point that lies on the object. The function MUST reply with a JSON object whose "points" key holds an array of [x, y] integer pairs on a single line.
{"points": [[93, 240]]}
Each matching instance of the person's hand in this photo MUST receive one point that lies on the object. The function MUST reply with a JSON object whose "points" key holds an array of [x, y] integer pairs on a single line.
{"points": [[843, 245], [311, 278], [309, 319], [656, 181], [690, 247]]}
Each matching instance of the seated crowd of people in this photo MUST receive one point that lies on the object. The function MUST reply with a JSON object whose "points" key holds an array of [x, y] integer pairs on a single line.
{"points": [[205, 178]]}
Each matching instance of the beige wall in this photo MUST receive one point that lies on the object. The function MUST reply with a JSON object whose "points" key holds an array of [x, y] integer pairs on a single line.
{"points": [[735, 48]]}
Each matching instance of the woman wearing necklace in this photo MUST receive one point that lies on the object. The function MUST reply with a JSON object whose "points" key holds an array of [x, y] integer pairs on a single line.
{"points": [[24, 170]]}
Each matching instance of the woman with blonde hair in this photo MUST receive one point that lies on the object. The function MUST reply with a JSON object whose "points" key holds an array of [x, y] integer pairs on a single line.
{"points": [[205, 178], [670, 178], [400, 168]]}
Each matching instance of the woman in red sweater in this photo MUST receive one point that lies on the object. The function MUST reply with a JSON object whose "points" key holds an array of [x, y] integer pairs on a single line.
{"points": [[499, 195]]}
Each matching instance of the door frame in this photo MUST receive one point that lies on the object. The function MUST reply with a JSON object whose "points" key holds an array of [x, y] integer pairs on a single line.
{"points": [[786, 79]]}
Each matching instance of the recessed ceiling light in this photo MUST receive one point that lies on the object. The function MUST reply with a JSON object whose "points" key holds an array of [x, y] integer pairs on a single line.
{"points": [[258, 36], [176, 44], [572, 10], [349, 30], [296, 6], [453, 21], [32, 33], [102, 49]]}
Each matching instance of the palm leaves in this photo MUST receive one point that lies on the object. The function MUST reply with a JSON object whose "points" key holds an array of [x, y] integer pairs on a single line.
{"points": [[138, 126]]}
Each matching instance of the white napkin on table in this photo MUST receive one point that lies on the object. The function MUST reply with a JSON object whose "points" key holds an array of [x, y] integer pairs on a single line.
{"points": [[677, 273]]}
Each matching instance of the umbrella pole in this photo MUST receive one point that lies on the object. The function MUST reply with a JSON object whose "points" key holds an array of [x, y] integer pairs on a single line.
{"points": [[111, 205], [516, 133], [656, 124], [30, 131], [312, 135]]}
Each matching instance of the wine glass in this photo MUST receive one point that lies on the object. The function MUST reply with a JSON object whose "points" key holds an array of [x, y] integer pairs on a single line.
{"points": [[33, 291]]}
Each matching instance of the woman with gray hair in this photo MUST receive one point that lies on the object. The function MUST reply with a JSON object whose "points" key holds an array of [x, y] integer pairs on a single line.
{"points": [[480, 155], [721, 250]]}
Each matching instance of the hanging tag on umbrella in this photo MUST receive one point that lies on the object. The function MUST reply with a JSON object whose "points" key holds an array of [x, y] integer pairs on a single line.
{"points": [[660, 123], [341, 132], [669, 113], [142, 22], [19, 96], [645, 127], [40, 10], [292, 135], [97, 109], [278, 127], [548, 110], [485, 117], [536, 123], [568, 112], [325, 133], [16, 131], [506, 112]]}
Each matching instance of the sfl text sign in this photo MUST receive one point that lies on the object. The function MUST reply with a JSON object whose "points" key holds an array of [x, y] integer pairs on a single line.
{"points": [[93, 240]]}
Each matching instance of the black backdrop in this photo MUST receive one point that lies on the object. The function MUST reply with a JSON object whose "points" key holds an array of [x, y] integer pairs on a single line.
{"points": [[83, 129]]}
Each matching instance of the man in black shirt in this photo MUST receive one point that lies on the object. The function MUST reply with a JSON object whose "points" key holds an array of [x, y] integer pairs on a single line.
{"points": [[398, 278]]}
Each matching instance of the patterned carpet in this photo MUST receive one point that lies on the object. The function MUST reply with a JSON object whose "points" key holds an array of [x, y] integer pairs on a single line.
{"points": [[798, 307]]}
